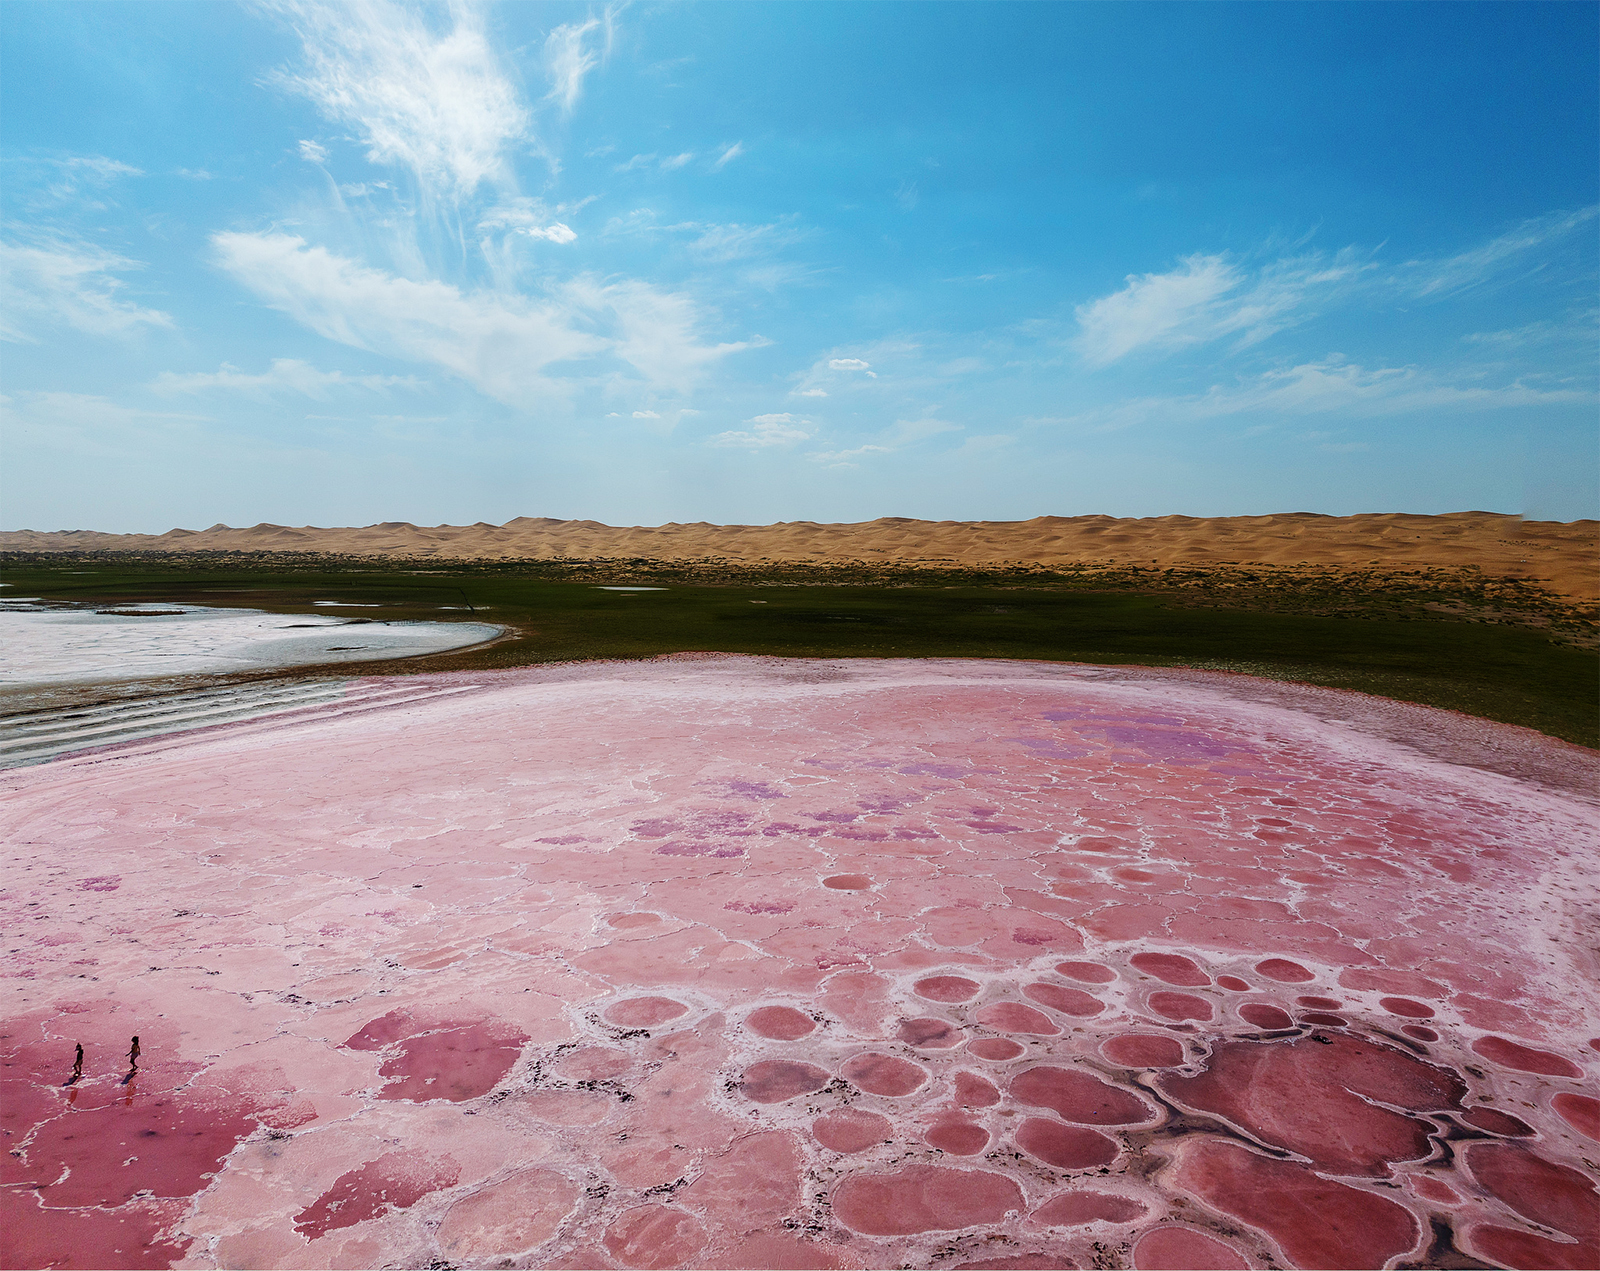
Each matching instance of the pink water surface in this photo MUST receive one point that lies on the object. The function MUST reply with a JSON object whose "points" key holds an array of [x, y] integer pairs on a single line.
{"points": [[742, 962]]}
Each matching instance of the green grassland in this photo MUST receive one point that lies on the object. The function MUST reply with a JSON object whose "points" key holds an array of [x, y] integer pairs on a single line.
{"points": [[1487, 647]]}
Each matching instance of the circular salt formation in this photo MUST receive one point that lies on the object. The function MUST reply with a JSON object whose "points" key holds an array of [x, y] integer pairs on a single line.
{"points": [[780, 1023], [1510, 1054], [1143, 1050], [1405, 1006], [1076, 1095], [1067, 1001], [885, 1074], [926, 1033], [774, 1080], [1284, 971], [958, 1137], [995, 1049], [1174, 968], [1179, 1006], [1014, 1017], [644, 1012], [848, 882], [946, 988], [1579, 1111], [852, 1130], [1065, 1146], [973, 1091], [1264, 1016], [1178, 1248], [1086, 972], [924, 1198], [1233, 984], [1497, 1122]]}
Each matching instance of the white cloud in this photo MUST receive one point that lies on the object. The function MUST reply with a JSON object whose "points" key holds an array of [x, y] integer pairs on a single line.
{"points": [[729, 155], [58, 281], [847, 364], [734, 241], [769, 430], [655, 332], [667, 163], [313, 152], [557, 233], [436, 102], [1440, 278], [645, 414], [1578, 328], [568, 59], [501, 343], [193, 174], [1153, 308], [1211, 297], [1331, 386], [66, 179], [532, 216], [811, 392], [97, 167], [286, 375], [845, 458]]}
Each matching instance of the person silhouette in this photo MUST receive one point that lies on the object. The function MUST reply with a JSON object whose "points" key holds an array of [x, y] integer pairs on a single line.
{"points": [[133, 1062], [77, 1067]]}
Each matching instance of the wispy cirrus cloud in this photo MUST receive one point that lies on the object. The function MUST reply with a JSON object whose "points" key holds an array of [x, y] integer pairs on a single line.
{"points": [[845, 458], [286, 375], [433, 100], [728, 155], [1207, 298], [56, 281], [57, 184], [1332, 385], [502, 343], [569, 57], [1216, 296], [1450, 275], [767, 431]]}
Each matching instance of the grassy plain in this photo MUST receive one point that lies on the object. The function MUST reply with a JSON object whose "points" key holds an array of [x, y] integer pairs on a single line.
{"points": [[1493, 648]]}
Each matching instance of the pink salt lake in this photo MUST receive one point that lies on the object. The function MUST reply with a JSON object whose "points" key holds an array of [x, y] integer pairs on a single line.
{"points": [[740, 962]]}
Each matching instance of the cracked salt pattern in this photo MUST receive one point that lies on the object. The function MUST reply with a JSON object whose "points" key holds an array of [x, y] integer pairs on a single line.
{"points": [[743, 962]]}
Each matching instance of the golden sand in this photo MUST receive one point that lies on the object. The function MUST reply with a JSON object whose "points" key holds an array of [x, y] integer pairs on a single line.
{"points": [[1560, 555]]}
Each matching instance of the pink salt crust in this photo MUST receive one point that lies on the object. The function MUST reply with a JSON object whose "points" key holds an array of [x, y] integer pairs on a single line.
{"points": [[739, 962]]}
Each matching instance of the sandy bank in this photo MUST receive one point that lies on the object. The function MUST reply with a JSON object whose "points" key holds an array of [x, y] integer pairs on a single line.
{"points": [[1561, 555]]}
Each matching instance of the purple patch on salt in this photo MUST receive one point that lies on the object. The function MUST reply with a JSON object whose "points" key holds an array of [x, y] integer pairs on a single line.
{"points": [[754, 790]]}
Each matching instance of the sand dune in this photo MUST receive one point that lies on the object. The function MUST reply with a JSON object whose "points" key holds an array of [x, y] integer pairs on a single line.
{"points": [[1561, 555]]}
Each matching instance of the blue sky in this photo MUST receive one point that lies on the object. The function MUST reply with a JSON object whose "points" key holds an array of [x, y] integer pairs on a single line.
{"points": [[754, 262]]}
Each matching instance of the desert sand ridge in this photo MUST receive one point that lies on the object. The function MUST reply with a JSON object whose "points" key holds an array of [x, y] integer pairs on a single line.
{"points": [[1562, 555]]}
